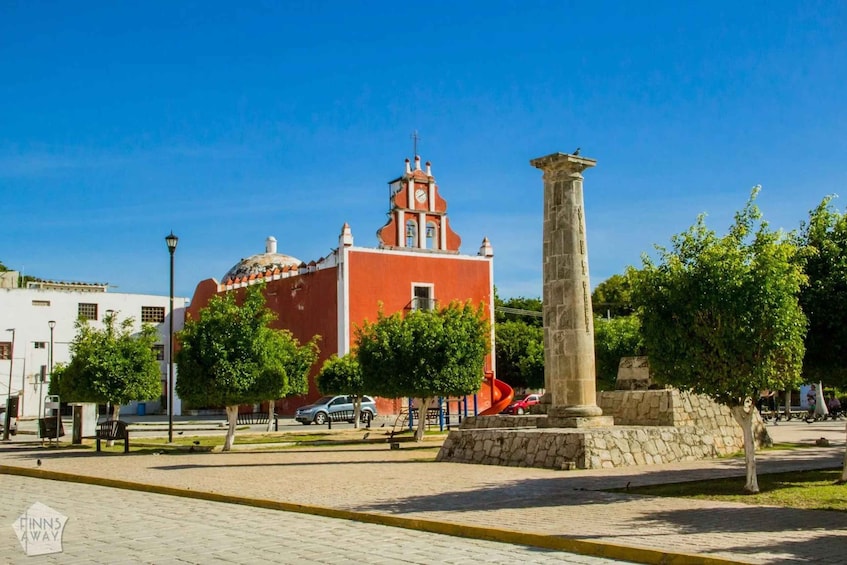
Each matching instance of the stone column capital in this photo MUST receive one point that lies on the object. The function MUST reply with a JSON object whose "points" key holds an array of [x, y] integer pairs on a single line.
{"points": [[562, 165]]}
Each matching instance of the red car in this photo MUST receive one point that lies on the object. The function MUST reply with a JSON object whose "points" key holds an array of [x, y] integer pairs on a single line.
{"points": [[521, 404]]}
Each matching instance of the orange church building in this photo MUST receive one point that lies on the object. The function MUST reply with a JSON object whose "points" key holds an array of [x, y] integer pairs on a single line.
{"points": [[417, 264]]}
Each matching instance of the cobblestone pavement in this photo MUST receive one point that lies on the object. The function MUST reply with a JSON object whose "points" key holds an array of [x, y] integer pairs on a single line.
{"points": [[109, 526], [566, 504]]}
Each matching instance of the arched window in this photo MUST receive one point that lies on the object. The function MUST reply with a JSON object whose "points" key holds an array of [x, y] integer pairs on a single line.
{"points": [[411, 233], [431, 235]]}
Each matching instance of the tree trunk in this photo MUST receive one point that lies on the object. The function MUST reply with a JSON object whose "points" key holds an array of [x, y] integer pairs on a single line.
{"points": [[744, 416], [232, 419], [422, 410], [787, 405], [357, 411], [271, 407]]}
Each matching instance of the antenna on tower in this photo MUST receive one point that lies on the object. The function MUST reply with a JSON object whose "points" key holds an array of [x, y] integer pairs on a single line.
{"points": [[415, 137]]}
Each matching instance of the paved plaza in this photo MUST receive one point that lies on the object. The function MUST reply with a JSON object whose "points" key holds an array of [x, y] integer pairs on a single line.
{"points": [[404, 487], [111, 526]]}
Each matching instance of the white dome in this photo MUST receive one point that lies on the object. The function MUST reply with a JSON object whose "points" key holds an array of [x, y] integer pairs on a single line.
{"points": [[262, 263]]}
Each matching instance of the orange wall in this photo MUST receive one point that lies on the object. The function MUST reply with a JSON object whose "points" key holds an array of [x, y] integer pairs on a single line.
{"points": [[387, 278], [307, 304]]}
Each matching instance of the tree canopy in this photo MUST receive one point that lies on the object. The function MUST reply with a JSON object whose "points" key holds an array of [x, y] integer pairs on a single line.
{"points": [[720, 315], [613, 297], [229, 356], [343, 375], [615, 338], [109, 364], [426, 354], [517, 345], [824, 299]]}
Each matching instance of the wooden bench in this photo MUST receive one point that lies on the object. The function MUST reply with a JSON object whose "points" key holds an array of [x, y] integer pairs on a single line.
{"points": [[347, 416], [250, 418], [111, 430]]}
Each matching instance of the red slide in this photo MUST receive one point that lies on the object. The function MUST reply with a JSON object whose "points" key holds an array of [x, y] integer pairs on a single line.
{"points": [[503, 394]]}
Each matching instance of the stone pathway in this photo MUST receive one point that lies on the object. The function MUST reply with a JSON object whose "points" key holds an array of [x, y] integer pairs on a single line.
{"points": [[564, 504], [109, 526]]}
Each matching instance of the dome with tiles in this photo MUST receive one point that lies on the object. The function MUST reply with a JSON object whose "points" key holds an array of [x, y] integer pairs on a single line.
{"points": [[262, 263]]}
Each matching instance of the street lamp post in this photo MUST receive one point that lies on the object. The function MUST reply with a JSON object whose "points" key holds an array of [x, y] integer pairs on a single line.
{"points": [[171, 241], [52, 325], [8, 420]]}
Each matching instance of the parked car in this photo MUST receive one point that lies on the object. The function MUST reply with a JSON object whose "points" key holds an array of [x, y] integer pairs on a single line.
{"points": [[521, 404], [319, 410]]}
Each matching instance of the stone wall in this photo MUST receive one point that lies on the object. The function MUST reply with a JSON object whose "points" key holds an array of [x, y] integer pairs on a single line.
{"points": [[671, 407], [653, 426], [598, 448]]}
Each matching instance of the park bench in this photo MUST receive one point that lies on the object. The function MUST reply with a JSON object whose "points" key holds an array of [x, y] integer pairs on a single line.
{"points": [[347, 416], [250, 418], [111, 430]]}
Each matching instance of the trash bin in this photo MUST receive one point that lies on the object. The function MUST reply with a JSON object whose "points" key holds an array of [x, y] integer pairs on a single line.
{"points": [[142, 408]]}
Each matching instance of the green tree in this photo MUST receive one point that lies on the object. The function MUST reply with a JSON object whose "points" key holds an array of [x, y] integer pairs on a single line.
{"points": [[720, 315], [531, 364], [343, 375], [513, 339], [229, 356], [427, 354], [109, 365], [615, 338], [824, 299], [613, 297]]}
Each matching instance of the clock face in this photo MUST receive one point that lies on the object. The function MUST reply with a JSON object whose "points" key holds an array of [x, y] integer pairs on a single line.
{"points": [[420, 195]]}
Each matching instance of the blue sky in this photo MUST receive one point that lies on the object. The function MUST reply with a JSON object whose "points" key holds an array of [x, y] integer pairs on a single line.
{"points": [[229, 122]]}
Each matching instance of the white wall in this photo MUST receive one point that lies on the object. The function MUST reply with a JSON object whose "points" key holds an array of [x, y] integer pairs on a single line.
{"points": [[18, 311]]}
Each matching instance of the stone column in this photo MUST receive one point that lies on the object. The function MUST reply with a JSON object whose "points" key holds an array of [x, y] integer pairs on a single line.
{"points": [[568, 318]]}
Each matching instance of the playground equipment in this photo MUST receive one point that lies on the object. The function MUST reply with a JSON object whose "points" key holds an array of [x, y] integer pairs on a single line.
{"points": [[500, 393]]}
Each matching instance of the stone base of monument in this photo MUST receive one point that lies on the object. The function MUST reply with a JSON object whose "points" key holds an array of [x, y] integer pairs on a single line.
{"points": [[683, 427]]}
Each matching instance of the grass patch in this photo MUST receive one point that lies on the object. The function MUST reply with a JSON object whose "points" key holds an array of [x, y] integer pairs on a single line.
{"points": [[814, 490]]}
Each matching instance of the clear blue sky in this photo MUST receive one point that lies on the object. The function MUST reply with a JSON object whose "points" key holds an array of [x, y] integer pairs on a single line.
{"points": [[229, 122]]}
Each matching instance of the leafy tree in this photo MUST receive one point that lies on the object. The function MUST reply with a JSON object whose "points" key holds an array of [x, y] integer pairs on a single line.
{"points": [[531, 364], [615, 338], [513, 340], [229, 356], [720, 315], [109, 365], [613, 297], [343, 375], [427, 354], [824, 299]]}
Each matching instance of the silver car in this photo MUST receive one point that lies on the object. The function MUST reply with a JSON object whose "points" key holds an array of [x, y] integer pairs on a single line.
{"points": [[319, 411]]}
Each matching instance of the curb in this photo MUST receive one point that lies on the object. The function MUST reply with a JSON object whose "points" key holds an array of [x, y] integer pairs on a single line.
{"points": [[545, 541]]}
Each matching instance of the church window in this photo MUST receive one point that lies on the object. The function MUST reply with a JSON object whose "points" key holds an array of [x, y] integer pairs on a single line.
{"points": [[422, 297], [411, 233]]}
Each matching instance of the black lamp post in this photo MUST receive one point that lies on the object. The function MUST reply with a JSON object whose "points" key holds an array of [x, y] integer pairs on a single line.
{"points": [[171, 240], [8, 419], [52, 325]]}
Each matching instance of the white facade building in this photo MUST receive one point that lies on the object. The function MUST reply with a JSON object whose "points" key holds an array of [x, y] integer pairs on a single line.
{"points": [[29, 311]]}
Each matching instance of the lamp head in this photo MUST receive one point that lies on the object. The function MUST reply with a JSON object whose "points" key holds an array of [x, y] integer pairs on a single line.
{"points": [[171, 240], [52, 324]]}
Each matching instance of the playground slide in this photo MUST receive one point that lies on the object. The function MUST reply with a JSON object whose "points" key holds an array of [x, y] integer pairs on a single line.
{"points": [[503, 395]]}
